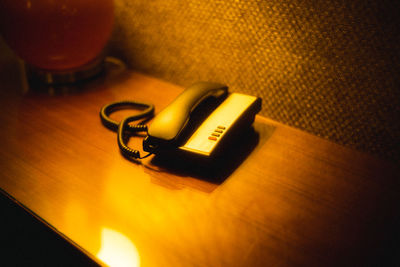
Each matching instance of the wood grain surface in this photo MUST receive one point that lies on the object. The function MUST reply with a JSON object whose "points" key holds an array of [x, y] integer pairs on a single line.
{"points": [[282, 197]]}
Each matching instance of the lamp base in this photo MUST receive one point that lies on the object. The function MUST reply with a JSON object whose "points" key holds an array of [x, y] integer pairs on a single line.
{"points": [[88, 71]]}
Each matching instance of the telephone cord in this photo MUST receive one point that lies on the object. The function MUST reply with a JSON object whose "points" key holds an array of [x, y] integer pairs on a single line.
{"points": [[123, 128]]}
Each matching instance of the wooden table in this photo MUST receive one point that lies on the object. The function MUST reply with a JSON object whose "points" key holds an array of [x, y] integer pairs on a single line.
{"points": [[293, 199]]}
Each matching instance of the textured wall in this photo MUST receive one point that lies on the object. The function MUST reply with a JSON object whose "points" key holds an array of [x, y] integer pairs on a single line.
{"points": [[328, 67]]}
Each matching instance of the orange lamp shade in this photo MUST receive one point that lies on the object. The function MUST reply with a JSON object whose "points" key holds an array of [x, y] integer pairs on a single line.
{"points": [[56, 34]]}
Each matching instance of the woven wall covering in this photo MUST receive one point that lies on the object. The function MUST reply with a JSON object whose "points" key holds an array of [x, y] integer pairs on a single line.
{"points": [[327, 67]]}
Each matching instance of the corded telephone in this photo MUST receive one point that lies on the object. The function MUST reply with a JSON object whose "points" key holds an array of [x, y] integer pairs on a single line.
{"points": [[198, 123]]}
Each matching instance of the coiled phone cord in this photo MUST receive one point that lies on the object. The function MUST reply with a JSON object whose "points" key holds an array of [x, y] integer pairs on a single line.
{"points": [[123, 127]]}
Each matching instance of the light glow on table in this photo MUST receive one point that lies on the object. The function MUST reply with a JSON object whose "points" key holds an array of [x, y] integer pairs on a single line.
{"points": [[117, 250]]}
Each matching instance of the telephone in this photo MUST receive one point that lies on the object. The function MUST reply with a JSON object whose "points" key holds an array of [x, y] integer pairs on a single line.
{"points": [[199, 123]]}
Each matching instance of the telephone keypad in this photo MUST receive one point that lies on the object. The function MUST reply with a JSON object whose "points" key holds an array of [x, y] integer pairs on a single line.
{"points": [[217, 133]]}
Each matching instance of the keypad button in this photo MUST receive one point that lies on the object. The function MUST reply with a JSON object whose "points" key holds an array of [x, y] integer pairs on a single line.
{"points": [[218, 131], [216, 134], [221, 127], [213, 138]]}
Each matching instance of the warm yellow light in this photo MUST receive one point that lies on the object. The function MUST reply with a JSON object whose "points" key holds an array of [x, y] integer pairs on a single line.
{"points": [[117, 250]]}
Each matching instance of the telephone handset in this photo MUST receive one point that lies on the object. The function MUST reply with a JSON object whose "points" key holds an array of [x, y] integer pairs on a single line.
{"points": [[167, 126], [199, 122]]}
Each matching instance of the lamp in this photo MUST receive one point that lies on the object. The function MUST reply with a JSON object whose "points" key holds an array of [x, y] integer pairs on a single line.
{"points": [[61, 41]]}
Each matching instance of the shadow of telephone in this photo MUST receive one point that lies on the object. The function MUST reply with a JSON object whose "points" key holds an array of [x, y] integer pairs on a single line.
{"points": [[198, 124]]}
